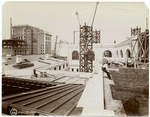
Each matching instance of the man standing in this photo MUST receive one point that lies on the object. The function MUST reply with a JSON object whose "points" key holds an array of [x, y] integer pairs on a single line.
{"points": [[34, 72], [105, 69]]}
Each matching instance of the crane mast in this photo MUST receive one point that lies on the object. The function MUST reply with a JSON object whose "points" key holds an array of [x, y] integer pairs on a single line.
{"points": [[87, 38]]}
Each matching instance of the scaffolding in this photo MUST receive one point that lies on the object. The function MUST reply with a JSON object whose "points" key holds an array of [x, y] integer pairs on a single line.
{"points": [[87, 38], [140, 47], [96, 36], [86, 48]]}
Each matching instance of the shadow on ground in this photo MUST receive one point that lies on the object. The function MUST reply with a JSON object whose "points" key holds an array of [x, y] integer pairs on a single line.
{"points": [[135, 99]]}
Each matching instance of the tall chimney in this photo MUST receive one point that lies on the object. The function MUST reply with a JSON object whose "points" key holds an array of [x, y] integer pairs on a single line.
{"points": [[146, 23], [10, 28]]}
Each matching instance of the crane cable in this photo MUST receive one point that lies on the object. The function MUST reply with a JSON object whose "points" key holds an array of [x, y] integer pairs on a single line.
{"points": [[94, 14], [90, 17]]}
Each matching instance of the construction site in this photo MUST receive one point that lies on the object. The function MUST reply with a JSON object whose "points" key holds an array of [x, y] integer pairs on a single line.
{"points": [[69, 81]]}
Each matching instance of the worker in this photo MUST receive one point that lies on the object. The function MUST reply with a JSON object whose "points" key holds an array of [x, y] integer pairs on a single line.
{"points": [[105, 69], [41, 74], [34, 72], [45, 74]]}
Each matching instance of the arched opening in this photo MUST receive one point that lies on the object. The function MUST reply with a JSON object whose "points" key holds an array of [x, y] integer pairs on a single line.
{"points": [[75, 55], [128, 53], [121, 54], [107, 53], [59, 67]]}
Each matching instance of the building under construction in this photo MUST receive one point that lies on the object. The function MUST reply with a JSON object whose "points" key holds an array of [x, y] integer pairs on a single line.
{"points": [[70, 81]]}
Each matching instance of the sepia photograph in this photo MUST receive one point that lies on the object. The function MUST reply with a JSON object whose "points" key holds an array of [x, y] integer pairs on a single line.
{"points": [[75, 58]]}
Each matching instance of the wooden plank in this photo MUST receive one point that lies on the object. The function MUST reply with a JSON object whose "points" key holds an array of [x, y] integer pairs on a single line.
{"points": [[58, 78], [37, 96], [44, 62], [5, 107], [76, 81], [56, 98], [21, 110], [65, 99], [61, 92], [75, 104], [29, 93]]}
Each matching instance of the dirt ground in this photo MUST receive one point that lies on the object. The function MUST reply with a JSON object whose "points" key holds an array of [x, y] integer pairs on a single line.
{"points": [[124, 102]]}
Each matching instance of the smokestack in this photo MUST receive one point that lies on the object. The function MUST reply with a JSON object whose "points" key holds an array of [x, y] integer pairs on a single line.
{"points": [[10, 28], [146, 23]]}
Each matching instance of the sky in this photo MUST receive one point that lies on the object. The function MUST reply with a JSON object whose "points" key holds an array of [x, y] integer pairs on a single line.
{"points": [[114, 19]]}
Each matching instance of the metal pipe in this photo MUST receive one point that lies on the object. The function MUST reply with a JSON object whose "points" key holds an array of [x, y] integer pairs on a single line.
{"points": [[74, 37], [146, 23], [10, 28]]}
